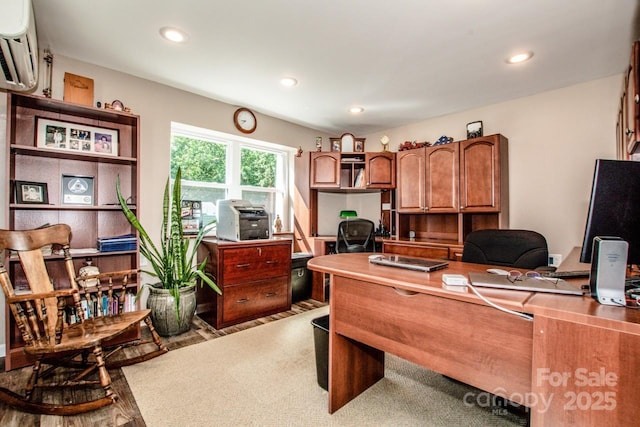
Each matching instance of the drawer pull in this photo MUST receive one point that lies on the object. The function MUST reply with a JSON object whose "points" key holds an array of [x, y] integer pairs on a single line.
{"points": [[242, 265], [275, 261], [271, 294], [242, 300], [405, 293]]}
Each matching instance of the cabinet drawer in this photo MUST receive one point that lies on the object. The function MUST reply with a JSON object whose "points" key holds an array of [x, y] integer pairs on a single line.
{"points": [[250, 300], [437, 252], [247, 264]]}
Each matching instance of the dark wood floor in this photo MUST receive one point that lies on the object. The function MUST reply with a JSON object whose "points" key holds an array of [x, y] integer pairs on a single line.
{"points": [[125, 411]]}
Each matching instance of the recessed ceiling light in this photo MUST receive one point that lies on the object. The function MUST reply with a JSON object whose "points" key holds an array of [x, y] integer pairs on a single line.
{"points": [[173, 34], [356, 110], [288, 81], [520, 57]]}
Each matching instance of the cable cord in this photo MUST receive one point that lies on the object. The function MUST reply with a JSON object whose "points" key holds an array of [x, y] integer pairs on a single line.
{"points": [[496, 306]]}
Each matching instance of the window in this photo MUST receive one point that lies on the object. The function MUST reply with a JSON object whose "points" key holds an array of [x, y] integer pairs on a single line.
{"points": [[217, 166]]}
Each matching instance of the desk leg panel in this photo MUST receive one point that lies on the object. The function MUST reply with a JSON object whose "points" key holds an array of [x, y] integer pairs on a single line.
{"points": [[473, 343], [317, 286], [353, 368], [584, 375]]}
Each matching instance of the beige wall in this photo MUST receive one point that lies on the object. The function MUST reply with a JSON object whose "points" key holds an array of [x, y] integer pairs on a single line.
{"points": [[554, 139]]}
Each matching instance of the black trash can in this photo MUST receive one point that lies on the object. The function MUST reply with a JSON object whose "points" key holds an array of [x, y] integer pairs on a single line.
{"points": [[300, 277], [321, 341]]}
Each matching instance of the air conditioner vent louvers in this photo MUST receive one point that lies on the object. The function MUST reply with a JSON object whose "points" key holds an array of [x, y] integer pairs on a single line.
{"points": [[5, 66]]}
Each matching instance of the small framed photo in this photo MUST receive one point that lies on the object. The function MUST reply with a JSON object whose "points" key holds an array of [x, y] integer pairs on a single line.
{"points": [[191, 216], [358, 146], [77, 190], [336, 145], [57, 135], [31, 192], [318, 143], [474, 129]]}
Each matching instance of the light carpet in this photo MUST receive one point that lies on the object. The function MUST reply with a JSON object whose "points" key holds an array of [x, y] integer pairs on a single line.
{"points": [[266, 376]]}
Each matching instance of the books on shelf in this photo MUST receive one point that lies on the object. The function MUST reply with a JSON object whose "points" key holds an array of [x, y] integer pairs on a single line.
{"points": [[96, 305], [126, 242]]}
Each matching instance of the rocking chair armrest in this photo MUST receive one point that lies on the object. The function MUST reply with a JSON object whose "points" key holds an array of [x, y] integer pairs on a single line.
{"points": [[42, 295], [120, 273]]}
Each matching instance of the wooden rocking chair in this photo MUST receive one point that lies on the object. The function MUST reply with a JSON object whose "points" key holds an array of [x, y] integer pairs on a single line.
{"points": [[67, 354]]}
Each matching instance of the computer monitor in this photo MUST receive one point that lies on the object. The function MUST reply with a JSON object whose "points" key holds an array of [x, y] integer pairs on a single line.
{"points": [[614, 208]]}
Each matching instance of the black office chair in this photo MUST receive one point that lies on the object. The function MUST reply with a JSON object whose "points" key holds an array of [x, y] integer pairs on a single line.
{"points": [[509, 248], [356, 235]]}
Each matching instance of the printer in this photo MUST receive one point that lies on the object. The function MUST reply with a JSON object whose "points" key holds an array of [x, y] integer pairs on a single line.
{"points": [[240, 220]]}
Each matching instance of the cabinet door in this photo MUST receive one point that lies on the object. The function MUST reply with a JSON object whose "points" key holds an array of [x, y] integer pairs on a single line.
{"points": [[410, 181], [325, 170], [441, 191], [480, 174], [631, 101], [381, 170]]}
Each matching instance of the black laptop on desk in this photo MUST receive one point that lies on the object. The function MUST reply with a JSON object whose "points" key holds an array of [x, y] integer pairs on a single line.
{"points": [[419, 264], [530, 284]]}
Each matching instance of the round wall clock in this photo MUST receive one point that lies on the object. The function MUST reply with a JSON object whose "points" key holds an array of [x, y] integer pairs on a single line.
{"points": [[245, 120]]}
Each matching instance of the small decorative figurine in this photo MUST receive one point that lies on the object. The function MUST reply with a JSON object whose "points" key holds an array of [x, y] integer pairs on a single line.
{"points": [[278, 224], [318, 143]]}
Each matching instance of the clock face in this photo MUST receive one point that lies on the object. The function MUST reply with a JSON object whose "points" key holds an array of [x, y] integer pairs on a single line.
{"points": [[245, 120]]}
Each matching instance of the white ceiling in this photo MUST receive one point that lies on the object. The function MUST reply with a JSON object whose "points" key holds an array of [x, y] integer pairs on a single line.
{"points": [[403, 60]]}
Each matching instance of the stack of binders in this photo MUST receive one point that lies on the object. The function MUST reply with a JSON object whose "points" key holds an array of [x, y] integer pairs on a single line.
{"points": [[127, 242]]}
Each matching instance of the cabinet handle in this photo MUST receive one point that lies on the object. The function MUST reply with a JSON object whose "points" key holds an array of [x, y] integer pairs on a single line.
{"points": [[242, 300], [270, 294], [273, 261], [629, 131], [242, 265], [637, 98]]}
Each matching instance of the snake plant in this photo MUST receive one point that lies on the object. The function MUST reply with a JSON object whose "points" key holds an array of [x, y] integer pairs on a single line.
{"points": [[173, 259]]}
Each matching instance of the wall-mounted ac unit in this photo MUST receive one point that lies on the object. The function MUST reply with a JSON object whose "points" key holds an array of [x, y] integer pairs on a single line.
{"points": [[18, 46]]}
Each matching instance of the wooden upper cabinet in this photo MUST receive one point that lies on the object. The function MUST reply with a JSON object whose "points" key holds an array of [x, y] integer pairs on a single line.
{"points": [[442, 178], [631, 102], [352, 171], [428, 179], [325, 170], [381, 170], [483, 173], [410, 189]]}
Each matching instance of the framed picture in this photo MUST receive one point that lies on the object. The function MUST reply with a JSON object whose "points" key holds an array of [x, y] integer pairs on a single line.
{"points": [[57, 135], [31, 192], [346, 142], [474, 129], [336, 145], [77, 190], [191, 216], [358, 146]]}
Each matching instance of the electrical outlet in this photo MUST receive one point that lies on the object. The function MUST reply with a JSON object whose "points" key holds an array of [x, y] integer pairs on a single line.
{"points": [[555, 260]]}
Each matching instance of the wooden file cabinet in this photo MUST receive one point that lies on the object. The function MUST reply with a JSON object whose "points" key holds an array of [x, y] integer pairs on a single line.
{"points": [[254, 277]]}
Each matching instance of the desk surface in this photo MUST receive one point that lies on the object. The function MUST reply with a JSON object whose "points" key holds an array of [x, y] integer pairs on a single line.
{"points": [[567, 307]]}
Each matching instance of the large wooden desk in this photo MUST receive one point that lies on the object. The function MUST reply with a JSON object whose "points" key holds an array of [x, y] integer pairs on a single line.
{"points": [[576, 363]]}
